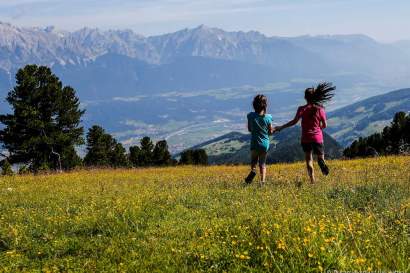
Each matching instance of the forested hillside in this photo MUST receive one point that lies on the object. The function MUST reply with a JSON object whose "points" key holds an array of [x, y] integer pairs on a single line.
{"points": [[233, 148], [368, 116]]}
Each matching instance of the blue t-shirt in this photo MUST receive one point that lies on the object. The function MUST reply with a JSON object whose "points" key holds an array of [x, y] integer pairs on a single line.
{"points": [[259, 126]]}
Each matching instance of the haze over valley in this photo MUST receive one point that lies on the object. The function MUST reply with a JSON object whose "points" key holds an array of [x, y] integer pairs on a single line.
{"points": [[196, 84]]}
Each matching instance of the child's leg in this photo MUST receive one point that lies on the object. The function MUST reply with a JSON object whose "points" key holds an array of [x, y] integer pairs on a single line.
{"points": [[262, 166], [262, 169], [254, 162], [319, 150], [309, 166], [322, 164]]}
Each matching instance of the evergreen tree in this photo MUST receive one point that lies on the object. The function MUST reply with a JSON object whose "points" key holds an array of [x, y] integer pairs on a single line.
{"points": [[395, 134], [103, 150], [200, 157], [45, 126], [6, 168], [194, 157], [134, 156], [146, 151], [186, 158], [160, 155], [118, 156], [98, 147], [395, 139]]}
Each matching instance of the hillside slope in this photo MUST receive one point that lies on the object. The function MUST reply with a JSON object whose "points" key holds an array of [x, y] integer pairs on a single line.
{"points": [[344, 125], [233, 148], [367, 116]]}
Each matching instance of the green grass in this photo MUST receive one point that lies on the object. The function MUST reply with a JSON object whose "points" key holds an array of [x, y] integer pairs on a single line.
{"points": [[192, 219]]}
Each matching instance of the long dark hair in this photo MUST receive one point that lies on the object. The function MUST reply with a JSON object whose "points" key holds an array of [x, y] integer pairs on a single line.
{"points": [[260, 102], [320, 95]]}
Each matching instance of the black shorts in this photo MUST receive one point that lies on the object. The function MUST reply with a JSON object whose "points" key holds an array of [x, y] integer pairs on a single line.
{"points": [[317, 148], [258, 156]]}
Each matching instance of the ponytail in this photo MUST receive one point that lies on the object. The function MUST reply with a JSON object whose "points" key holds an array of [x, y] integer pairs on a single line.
{"points": [[320, 95]]}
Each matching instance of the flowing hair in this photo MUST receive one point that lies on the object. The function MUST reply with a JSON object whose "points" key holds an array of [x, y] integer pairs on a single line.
{"points": [[320, 95]]}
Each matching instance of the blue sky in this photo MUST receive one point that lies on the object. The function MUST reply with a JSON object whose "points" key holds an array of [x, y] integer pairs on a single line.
{"points": [[381, 19]]}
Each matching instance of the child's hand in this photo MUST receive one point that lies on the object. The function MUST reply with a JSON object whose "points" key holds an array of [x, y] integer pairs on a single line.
{"points": [[274, 130], [277, 128]]}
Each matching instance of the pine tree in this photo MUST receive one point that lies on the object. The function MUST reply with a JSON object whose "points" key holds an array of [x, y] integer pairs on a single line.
{"points": [[118, 156], [200, 157], [160, 155], [6, 168], [146, 151], [44, 127], [194, 157], [103, 150], [135, 156], [98, 147], [395, 139], [396, 132], [186, 158]]}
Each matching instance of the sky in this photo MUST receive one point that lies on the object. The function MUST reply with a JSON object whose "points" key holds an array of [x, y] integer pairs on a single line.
{"points": [[383, 20]]}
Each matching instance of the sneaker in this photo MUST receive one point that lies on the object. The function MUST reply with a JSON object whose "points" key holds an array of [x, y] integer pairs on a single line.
{"points": [[250, 177], [323, 167]]}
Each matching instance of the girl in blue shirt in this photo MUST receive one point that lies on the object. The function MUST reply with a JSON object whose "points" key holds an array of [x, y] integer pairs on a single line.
{"points": [[260, 127]]}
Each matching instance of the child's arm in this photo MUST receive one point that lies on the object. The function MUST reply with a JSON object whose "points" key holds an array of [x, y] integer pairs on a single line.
{"points": [[323, 122], [271, 129], [289, 124]]}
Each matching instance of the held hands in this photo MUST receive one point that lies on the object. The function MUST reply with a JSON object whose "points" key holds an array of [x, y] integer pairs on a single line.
{"points": [[275, 129]]}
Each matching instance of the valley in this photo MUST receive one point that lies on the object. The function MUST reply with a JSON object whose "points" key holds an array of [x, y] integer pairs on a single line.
{"points": [[197, 84]]}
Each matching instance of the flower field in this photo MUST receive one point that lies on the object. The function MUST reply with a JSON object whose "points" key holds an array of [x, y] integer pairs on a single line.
{"points": [[191, 219]]}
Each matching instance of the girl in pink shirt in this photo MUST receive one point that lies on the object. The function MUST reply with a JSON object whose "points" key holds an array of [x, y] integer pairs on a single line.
{"points": [[313, 122]]}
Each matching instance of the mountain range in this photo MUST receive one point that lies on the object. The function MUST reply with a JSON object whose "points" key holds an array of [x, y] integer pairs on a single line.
{"points": [[153, 63], [196, 84]]}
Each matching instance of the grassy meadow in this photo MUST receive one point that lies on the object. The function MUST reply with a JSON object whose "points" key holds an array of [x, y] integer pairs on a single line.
{"points": [[192, 219]]}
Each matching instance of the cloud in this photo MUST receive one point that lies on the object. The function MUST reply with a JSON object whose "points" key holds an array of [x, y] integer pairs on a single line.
{"points": [[114, 13], [273, 17], [8, 3], [98, 7]]}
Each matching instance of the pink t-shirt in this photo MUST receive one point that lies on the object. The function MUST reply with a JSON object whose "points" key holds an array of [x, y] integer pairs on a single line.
{"points": [[312, 116]]}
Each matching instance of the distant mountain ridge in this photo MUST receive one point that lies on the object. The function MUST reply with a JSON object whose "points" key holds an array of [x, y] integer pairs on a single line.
{"points": [[19, 46], [50, 46], [78, 53], [195, 84]]}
